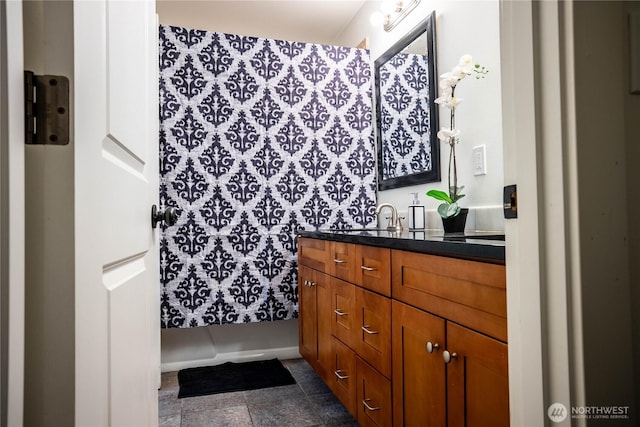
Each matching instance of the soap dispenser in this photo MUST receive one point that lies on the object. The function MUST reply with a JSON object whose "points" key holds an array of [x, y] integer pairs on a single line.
{"points": [[416, 214]]}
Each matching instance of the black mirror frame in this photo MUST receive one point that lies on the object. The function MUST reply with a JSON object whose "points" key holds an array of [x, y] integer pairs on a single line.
{"points": [[427, 26]]}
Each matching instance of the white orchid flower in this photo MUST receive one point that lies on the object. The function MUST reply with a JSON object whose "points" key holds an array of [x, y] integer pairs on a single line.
{"points": [[466, 64], [448, 101], [449, 80], [447, 134]]}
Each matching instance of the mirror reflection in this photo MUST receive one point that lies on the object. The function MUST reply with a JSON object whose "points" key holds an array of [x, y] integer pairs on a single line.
{"points": [[407, 117]]}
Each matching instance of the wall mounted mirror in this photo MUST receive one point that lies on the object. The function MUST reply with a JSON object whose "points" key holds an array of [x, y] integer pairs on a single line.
{"points": [[406, 115]]}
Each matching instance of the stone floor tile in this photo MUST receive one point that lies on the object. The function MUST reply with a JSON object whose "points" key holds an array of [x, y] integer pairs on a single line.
{"points": [[295, 412], [236, 416], [311, 384], [170, 421], [330, 409], [169, 380], [297, 366], [168, 403], [213, 401], [273, 394]]}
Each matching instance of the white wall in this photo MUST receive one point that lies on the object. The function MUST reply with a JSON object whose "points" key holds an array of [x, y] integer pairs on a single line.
{"points": [[462, 27]]}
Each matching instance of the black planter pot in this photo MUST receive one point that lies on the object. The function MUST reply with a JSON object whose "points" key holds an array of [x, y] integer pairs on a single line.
{"points": [[456, 224]]}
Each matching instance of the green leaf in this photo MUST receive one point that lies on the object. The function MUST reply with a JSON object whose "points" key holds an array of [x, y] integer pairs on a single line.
{"points": [[448, 210], [439, 195]]}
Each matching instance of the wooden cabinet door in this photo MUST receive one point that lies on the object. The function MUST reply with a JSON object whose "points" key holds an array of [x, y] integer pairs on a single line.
{"points": [[419, 383], [342, 261], [343, 310], [477, 377], [314, 330], [373, 330], [343, 380], [373, 269], [322, 284], [307, 327], [373, 396], [313, 253]]}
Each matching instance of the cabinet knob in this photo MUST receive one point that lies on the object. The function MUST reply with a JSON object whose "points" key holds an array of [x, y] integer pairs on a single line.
{"points": [[449, 356], [339, 312], [365, 268], [339, 261], [432, 346]]}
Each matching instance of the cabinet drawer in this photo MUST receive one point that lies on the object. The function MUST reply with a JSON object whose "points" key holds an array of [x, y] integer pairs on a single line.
{"points": [[343, 310], [372, 332], [373, 396], [343, 378], [342, 261], [467, 292], [374, 269], [313, 253]]}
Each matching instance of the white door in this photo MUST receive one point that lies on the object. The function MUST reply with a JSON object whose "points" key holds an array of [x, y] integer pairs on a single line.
{"points": [[11, 215], [116, 182]]}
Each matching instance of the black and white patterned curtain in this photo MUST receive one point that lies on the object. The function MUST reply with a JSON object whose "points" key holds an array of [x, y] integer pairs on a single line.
{"points": [[404, 89], [258, 138]]}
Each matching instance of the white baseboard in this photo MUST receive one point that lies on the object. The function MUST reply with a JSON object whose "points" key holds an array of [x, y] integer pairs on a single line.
{"points": [[235, 356]]}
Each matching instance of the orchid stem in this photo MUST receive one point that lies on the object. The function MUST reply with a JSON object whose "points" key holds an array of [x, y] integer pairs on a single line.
{"points": [[452, 153]]}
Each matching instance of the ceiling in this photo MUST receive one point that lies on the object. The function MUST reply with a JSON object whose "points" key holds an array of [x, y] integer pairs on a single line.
{"points": [[315, 21]]}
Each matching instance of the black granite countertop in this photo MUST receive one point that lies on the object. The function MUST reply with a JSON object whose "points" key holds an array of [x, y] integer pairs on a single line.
{"points": [[477, 246]]}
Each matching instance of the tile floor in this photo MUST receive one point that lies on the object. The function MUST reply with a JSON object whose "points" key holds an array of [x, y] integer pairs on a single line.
{"points": [[309, 402]]}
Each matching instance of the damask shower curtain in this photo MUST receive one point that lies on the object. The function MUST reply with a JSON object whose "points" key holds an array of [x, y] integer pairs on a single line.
{"points": [[258, 138]]}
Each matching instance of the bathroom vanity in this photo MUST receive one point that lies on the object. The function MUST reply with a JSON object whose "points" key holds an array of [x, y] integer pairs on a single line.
{"points": [[407, 328]]}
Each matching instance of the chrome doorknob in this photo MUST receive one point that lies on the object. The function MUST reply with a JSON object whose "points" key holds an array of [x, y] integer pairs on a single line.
{"points": [[169, 216]]}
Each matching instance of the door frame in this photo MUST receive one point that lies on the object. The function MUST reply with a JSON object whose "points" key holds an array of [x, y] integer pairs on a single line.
{"points": [[538, 245], [11, 214]]}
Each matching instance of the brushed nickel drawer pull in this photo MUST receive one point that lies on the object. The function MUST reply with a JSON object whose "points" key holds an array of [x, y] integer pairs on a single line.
{"points": [[364, 267], [339, 312], [339, 261], [365, 328], [340, 376], [371, 408]]}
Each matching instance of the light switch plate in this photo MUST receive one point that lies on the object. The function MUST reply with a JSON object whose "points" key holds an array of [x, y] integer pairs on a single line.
{"points": [[480, 160]]}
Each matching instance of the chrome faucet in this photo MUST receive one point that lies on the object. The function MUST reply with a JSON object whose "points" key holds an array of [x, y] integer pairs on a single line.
{"points": [[394, 221]]}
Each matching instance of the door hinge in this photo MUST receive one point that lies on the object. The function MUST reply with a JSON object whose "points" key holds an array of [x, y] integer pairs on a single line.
{"points": [[46, 107]]}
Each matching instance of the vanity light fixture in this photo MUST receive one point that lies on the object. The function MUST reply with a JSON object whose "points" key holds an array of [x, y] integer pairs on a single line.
{"points": [[392, 12]]}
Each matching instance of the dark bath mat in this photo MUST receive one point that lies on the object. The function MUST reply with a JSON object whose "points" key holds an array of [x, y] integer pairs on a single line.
{"points": [[233, 377]]}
